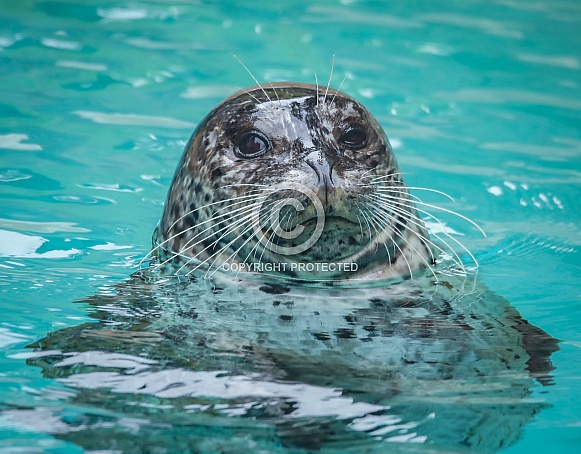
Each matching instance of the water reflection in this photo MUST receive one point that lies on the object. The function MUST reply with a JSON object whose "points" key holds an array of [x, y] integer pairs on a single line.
{"points": [[202, 366]]}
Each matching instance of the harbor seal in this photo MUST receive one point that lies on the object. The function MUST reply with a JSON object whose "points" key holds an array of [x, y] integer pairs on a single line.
{"points": [[297, 180], [258, 362]]}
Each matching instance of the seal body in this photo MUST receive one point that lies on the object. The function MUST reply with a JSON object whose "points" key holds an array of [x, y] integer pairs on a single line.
{"points": [[291, 174], [235, 364]]}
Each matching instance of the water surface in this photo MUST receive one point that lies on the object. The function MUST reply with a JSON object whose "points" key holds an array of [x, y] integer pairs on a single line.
{"points": [[480, 100]]}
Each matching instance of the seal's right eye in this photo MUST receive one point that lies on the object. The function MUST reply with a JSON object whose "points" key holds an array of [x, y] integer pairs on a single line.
{"points": [[252, 145], [354, 138]]}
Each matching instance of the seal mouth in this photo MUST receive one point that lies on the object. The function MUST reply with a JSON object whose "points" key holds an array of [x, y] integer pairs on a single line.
{"points": [[332, 219]]}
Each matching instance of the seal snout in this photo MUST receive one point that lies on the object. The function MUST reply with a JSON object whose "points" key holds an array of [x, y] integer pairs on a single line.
{"points": [[322, 165], [327, 184]]}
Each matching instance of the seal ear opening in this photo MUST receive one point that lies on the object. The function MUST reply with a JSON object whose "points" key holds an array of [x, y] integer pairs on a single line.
{"points": [[540, 346]]}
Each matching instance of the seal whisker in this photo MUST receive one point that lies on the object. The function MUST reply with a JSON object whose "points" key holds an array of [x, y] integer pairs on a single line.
{"points": [[330, 79], [375, 221], [252, 226], [382, 204], [275, 93], [339, 88], [234, 226], [359, 220], [415, 219], [317, 88], [241, 216], [388, 220], [212, 219], [367, 221], [250, 94], [364, 175], [215, 255], [417, 201], [417, 189], [159, 247], [248, 195], [389, 176], [257, 243], [229, 227], [254, 78]]}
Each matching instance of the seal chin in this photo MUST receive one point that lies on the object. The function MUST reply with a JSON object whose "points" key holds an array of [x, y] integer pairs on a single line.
{"points": [[339, 239]]}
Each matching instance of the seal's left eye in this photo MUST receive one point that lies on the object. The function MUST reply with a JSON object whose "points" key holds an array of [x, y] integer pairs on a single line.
{"points": [[355, 138], [252, 145]]}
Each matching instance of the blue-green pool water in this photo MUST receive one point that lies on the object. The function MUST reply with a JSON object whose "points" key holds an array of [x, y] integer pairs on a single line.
{"points": [[481, 100]]}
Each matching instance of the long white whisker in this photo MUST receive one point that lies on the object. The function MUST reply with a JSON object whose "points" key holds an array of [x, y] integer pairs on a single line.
{"points": [[247, 195], [229, 229], [389, 188], [458, 260], [419, 222], [241, 234], [380, 203], [254, 78], [337, 91], [330, 79], [241, 212], [387, 220], [436, 207]]}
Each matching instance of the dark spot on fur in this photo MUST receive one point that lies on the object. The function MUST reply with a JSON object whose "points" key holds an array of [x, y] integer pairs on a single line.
{"points": [[350, 319], [274, 289], [286, 318], [190, 313], [378, 302], [193, 217], [321, 336], [345, 333], [216, 174]]}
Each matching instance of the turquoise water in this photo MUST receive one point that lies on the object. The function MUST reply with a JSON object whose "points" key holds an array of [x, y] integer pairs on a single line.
{"points": [[480, 99]]}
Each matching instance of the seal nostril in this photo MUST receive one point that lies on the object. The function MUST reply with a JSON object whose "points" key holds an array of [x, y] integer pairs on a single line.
{"points": [[324, 171], [315, 169], [322, 166]]}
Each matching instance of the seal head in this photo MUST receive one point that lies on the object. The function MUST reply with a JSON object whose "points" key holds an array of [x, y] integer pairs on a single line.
{"points": [[295, 179]]}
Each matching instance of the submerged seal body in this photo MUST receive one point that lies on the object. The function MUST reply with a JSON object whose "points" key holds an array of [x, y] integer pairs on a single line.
{"points": [[289, 174]]}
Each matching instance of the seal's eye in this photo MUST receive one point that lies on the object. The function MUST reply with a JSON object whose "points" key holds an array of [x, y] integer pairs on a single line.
{"points": [[355, 138], [252, 145]]}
